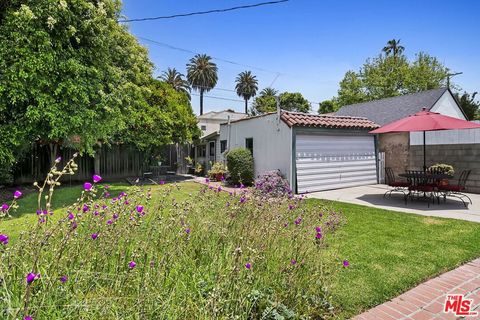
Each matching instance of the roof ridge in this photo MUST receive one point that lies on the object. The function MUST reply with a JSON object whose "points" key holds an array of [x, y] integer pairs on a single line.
{"points": [[325, 115]]}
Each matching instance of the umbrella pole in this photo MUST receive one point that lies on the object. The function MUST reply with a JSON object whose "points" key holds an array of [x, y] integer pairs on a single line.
{"points": [[424, 154]]}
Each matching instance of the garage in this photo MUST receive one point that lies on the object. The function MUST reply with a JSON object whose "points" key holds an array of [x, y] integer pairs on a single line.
{"points": [[327, 161]]}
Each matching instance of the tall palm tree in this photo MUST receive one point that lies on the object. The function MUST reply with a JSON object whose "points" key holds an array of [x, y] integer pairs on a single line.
{"points": [[202, 75], [393, 47], [247, 86], [176, 80]]}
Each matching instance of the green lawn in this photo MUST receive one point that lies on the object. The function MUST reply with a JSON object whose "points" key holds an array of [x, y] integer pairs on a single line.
{"points": [[389, 252]]}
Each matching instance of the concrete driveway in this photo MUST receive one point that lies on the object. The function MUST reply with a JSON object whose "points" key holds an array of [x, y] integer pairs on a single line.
{"points": [[372, 196]]}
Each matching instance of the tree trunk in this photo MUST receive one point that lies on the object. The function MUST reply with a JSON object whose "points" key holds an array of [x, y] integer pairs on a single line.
{"points": [[201, 101], [246, 106], [53, 153]]}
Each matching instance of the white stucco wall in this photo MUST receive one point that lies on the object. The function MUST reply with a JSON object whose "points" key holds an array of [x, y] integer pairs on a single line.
{"points": [[446, 105], [272, 142]]}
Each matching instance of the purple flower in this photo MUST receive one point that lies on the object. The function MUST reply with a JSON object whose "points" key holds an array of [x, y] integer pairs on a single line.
{"points": [[318, 229], [139, 208], [85, 208], [291, 207], [96, 213], [94, 236], [32, 277], [115, 216], [74, 225], [298, 220], [219, 188], [63, 279], [109, 222], [132, 264], [285, 224], [318, 235], [207, 180], [187, 230], [87, 186], [346, 263], [27, 318], [96, 178], [58, 159], [5, 207], [17, 194], [293, 262], [248, 265], [4, 238], [162, 182], [126, 202], [222, 178], [71, 216], [242, 186], [243, 199]]}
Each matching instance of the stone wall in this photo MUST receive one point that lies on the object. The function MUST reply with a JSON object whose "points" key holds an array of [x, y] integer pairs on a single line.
{"points": [[460, 156], [395, 146]]}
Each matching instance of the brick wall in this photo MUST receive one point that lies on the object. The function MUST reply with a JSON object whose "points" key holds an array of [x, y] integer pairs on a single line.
{"points": [[460, 156], [395, 146]]}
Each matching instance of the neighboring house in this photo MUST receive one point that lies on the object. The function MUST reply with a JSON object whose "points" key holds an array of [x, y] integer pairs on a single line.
{"points": [[208, 146], [396, 145], [314, 152]]}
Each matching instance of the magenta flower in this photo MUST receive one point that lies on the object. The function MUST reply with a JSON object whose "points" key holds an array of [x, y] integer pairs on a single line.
{"points": [[32, 277], [243, 199], [132, 264], [115, 216], [74, 225], [219, 188], [58, 159], [162, 182], [298, 221], [207, 180], [126, 202], [109, 222], [96, 178], [291, 207], [187, 230], [96, 213], [242, 186], [5, 207], [27, 318], [293, 262], [71, 216], [87, 186], [139, 208], [94, 236], [222, 178], [318, 235], [4, 238], [63, 279], [318, 229], [17, 194], [248, 266], [346, 263]]}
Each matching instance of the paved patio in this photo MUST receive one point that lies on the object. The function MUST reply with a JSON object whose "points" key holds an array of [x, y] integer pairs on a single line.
{"points": [[372, 196], [427, 300]]}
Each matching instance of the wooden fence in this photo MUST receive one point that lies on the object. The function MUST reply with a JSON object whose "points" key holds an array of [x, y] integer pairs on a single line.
{"points": [[113, 163]]}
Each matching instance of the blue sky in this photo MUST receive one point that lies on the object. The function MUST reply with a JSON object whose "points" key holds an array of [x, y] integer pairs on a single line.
{"points": [[310, 43]]}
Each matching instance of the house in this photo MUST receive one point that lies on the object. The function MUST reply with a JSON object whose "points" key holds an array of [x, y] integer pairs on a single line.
{"points": [[208, 146], [313, 152], [396, 146]]}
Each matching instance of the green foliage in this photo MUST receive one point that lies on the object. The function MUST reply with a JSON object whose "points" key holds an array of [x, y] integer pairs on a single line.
{"points": [[328, 106], [247, 86], [391, 75], [393, 47], [470, 107], [217, 169], [176, 80], [265, 102], [240, 166], [445, 168], [202, 74]]}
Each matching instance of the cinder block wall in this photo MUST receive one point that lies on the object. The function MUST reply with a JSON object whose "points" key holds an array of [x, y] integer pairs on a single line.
{"points": [[395, 146], [460, 156]]}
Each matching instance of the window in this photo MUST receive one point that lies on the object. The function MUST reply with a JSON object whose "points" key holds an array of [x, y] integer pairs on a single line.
{"points": [[203, 128], [201, 151], [249, 144], [211, 149], [223, 146]]}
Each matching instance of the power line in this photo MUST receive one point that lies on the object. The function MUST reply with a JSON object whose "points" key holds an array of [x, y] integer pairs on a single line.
{"points": [[204, 12]]}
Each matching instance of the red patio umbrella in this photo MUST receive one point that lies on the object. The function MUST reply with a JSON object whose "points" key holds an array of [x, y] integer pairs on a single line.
{"points": [[426, 121]]}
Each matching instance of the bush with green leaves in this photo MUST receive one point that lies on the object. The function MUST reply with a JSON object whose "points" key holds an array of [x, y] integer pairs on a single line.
{"points": [[240, 166], [218, 171], [168, 253]]}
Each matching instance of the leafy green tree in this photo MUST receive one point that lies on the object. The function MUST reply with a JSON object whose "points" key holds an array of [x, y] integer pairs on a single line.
{"points": [[470, 107], [294, 102], [328, 106], [176, 80], [247, 86], [68, 73], [391, 75], [266, 102], [202, 75], [393, 47]]}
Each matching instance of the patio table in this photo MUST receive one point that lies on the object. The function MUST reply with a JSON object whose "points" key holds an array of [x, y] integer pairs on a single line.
{"points": [[425, 176]]}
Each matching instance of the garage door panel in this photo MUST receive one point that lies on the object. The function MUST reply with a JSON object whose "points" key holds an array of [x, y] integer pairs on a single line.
{"points": [[326, 162]]}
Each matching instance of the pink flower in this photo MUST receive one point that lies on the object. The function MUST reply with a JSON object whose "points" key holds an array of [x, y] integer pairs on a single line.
{"points": [[132, 264], [17, 194], [4, 239], [32, 277], [318, 235], [96, 178], [71, 216], [248, 266], [187, 230], [4, 207], [293, 262], [346, 263], [87, 186], [94, 236], [139, 208], [27, 318]]}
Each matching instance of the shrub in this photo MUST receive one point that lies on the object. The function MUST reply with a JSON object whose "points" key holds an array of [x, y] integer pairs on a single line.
{"points": [[272, 184], [240, 166], [123, 256], [442, 167], [218, 171]]}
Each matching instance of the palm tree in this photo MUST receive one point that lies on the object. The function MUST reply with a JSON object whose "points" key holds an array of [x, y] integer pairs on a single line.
{"points": [[393, 46], [268, 92], [247, 86], [202, 75], [176, 80]]}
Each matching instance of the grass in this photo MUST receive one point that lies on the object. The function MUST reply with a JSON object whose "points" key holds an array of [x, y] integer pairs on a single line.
{"points": [[389, 252]]}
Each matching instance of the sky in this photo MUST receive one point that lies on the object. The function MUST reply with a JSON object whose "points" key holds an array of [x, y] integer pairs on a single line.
{"points": [[305, 46]]}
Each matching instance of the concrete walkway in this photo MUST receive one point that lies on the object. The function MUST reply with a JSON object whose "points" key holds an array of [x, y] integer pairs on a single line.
{"points": [[372, 196], [427, 300]]}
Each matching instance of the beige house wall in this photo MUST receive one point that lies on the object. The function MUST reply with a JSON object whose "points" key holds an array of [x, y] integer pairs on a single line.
{"points": [[396, 148]]}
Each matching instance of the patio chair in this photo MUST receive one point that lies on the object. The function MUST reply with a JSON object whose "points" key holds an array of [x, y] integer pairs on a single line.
{"points": [[421, 185], [455, 190], [398, 186]]}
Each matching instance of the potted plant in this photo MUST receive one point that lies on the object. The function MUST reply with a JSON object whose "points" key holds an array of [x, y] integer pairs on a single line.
{"points": [[442, 168], [217, 172], [198, 169]]}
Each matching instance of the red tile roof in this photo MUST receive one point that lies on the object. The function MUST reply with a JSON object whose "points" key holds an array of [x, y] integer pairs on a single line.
{"points": [[326, 121]]}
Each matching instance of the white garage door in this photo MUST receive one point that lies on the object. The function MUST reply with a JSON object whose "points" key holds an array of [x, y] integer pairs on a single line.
{"points": [[327, 162]]}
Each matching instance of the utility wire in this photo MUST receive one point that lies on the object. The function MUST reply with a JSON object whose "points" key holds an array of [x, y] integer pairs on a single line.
{"points": [[205, 12]]}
